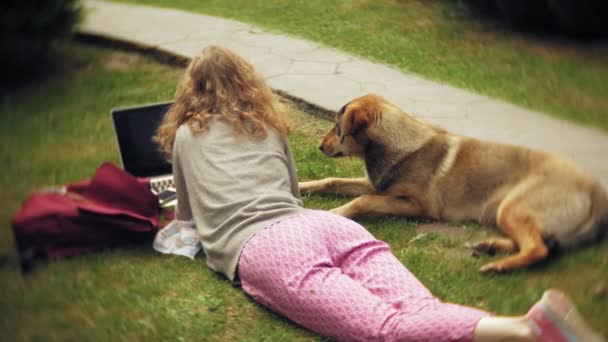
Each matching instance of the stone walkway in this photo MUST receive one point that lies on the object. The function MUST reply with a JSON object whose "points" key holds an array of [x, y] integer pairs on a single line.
{"points": [[329, 78]]}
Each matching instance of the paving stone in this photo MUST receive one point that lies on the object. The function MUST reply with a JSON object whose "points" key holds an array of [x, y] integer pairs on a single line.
{"points": [[326, 55], [373, 87], [273, 41], [188, 48], [328, 91], [312, 68], [438, 93], [210, 34], [440, 110], [363, 71], [101, 19]]}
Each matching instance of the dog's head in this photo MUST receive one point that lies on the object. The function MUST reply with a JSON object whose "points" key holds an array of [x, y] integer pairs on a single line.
{"points": [[371, 118], [350, 135]]}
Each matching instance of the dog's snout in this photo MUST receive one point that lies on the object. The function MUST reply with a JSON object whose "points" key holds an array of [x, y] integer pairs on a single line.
{"points": [[321, 148]]}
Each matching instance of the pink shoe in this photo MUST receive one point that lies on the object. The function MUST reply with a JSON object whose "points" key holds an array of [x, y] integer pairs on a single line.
{"points": [[554, 318]]}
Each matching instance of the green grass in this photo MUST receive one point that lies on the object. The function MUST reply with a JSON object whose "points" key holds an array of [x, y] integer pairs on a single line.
{"points": [[57, 130], [445, 41]]}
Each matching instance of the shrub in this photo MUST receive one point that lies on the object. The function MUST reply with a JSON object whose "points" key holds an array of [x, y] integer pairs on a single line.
{"points": [[524, 13], [29, 30], [579, 17], [587, 17]]}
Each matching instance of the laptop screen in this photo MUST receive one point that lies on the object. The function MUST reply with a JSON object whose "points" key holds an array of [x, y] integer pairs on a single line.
{"points": [[135, 128]]}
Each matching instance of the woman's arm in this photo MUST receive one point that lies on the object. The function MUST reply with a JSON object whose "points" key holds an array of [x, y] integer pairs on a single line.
{"points": [[183, 212], [291, 167]]}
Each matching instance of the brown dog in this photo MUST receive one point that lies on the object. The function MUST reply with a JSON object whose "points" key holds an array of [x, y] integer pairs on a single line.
{"points": [[416, 169]]}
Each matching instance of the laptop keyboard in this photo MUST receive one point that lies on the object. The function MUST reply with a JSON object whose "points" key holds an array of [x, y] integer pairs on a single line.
{"points": [[159, 185]]}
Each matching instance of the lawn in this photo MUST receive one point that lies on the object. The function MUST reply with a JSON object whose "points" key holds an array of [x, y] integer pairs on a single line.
{"points": [[57, 130], [443, 40]]}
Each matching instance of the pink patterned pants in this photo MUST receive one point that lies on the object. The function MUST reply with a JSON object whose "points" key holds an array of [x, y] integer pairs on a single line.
{"points": [[330, 275]]}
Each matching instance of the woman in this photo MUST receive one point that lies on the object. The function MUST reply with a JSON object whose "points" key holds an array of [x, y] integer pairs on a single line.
{"points": [[234, 173]]}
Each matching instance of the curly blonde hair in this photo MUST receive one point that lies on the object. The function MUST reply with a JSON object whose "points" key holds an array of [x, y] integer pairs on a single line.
{"points": [[219, 82]]}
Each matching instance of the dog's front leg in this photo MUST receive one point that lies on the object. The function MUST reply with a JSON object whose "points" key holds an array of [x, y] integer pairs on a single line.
{"points": [[340, 186], [379, 205]]}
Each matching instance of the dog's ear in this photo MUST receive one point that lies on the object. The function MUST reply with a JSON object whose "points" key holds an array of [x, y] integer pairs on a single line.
{"points": [[352, 121]]}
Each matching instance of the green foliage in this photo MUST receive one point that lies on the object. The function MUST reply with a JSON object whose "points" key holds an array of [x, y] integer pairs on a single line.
{"points": [[28, 30]]}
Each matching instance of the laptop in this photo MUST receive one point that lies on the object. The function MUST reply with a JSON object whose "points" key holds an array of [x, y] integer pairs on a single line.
{"points": [[134, 128]]}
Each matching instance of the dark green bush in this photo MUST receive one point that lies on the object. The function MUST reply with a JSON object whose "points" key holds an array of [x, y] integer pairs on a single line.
{"points": [[578, 17], [524, 13], [29, 29], [581, 16]]}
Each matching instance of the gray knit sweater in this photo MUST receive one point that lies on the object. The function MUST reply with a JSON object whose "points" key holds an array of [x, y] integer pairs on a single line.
{"points": [[232, 187]]}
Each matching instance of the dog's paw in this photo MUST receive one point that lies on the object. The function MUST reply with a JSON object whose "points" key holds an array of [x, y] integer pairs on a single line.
{"points": [[339, 211], [492, 267], [483, 247], [307, 186], [494, 245]]}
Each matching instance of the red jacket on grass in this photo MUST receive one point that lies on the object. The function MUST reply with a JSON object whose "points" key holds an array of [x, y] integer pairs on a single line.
{"points": [[113, 208]]}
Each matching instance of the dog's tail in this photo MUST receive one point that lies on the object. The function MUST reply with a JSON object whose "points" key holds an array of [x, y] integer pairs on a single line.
{"points": [[595, 226], [600, 204]]}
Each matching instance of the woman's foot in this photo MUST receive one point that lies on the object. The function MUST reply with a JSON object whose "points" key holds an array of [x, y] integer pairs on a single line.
{"points": [[554, 318]]}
